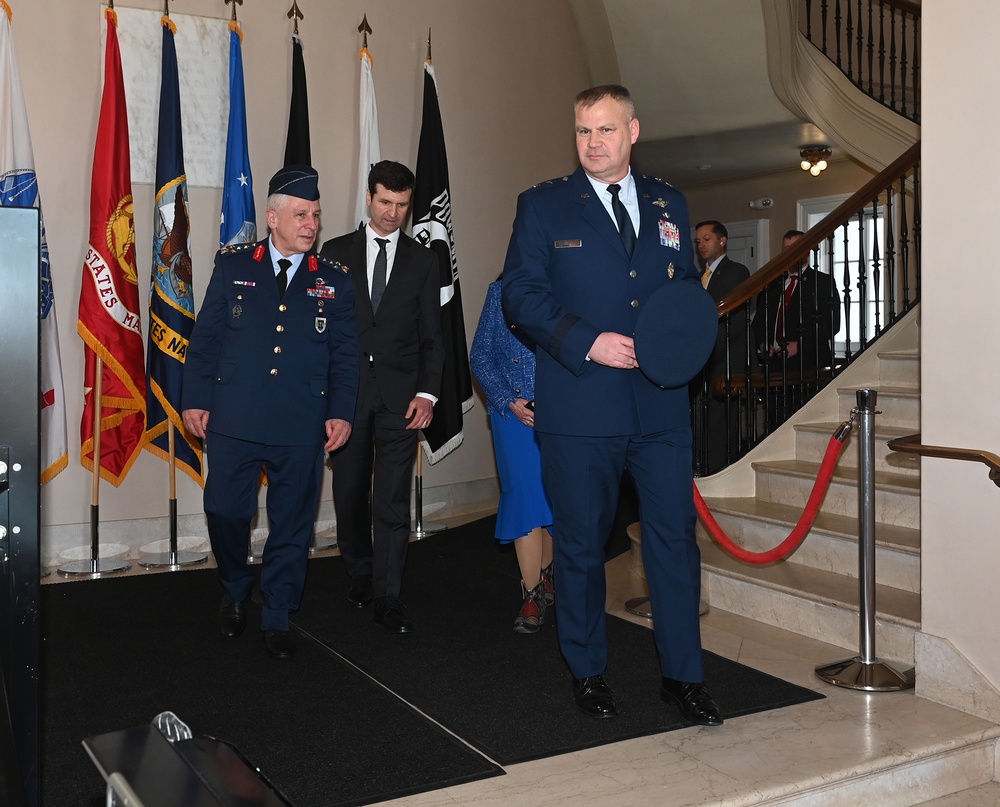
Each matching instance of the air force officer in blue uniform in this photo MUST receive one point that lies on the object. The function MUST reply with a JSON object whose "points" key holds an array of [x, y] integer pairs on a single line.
{"points": [[587, 251], [271, 377]]}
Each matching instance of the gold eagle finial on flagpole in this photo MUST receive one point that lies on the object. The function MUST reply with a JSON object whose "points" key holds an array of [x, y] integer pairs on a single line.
{"points": [[295, 15]]}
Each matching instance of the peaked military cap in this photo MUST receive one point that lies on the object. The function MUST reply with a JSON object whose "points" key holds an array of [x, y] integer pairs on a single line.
{"points": [[300, 181]]}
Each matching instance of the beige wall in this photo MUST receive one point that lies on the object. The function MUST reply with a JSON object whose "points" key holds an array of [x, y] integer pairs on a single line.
{"points": [[506, 82], [730, 201], [961, 507]]}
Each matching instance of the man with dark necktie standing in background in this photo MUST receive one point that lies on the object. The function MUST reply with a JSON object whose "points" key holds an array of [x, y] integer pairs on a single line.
{"points": [[396, 294]]}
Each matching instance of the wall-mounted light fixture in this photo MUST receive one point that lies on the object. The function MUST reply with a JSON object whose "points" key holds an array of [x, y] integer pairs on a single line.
{"points": [[814, 159]]}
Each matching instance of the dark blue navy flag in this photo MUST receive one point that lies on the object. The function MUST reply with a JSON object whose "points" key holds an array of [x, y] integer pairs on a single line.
{"points": [[432, 228], [239, 219], [171, 296]]}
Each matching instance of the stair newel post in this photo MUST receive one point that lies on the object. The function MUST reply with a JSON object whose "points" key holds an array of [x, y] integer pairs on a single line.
{"points": [[866, 671]]}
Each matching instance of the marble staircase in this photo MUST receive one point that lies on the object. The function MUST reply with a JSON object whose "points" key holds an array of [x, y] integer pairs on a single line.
{"points": [[815, 592]]}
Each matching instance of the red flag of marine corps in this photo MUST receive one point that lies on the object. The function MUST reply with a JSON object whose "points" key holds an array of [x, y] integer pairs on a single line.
{"points": [[109, 298]]}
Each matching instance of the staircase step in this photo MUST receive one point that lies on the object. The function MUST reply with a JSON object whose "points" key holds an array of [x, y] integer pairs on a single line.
{"points": [[897, 496], [831, 545], [811, 440], [899, 368], [984, 794], [949, 777], [810, 602], [897, 406]]}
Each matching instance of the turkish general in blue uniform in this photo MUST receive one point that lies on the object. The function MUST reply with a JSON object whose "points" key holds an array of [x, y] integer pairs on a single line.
{"points": [[576, 279], [271, 375]]}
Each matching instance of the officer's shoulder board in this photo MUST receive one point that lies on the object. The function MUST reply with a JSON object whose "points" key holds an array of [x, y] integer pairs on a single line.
{"points": [[648, 178], [333, 264], [233, 248], [548, 182]]}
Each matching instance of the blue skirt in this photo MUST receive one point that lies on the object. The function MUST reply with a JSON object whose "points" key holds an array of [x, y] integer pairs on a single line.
{"points": [[523, 503]]}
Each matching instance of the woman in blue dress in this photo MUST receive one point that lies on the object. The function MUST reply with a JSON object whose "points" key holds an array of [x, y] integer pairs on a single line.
{"points": [[503, 361]]}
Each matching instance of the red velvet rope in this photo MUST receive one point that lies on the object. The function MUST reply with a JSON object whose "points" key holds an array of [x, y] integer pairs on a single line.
{"points": [[796, 536]]}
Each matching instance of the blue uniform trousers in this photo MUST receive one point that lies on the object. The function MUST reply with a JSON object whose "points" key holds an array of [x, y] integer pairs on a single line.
{"points": [[582, 478], [294, 474]]}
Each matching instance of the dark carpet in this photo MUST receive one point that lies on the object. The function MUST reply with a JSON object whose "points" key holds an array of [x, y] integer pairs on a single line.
{"points": [[116, 652], [505, 693]]}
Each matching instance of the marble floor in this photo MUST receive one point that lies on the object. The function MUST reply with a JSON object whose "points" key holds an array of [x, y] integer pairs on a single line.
{"points": [[852, 748]]}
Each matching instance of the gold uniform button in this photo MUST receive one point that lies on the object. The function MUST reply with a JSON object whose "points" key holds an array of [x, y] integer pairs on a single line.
{"points": [[277, 348], [282, 308], [239, 296], [280, 329], [635, 304], [274, 371]]}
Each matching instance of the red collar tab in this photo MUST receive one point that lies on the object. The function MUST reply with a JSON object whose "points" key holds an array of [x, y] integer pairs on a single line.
{"points": [[313, 264], [258, 253]]}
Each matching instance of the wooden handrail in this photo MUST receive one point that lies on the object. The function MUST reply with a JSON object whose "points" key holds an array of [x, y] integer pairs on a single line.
{"points": [[801, 249], [905, 5], [911, 444]]}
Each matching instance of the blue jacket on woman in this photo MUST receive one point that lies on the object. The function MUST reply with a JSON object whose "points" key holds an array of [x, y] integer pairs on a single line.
{"points": [[502, 357]]}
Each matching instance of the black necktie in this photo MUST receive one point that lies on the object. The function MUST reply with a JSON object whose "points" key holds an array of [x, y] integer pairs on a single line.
{"points": [[282, 276], [378, 276], [625, 228]]}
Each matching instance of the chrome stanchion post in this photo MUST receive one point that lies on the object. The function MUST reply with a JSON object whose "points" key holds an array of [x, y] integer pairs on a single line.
{"points": [[866, 671]]}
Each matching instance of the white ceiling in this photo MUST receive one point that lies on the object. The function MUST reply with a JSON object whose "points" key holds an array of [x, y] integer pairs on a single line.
{"points": [[697, 71]]}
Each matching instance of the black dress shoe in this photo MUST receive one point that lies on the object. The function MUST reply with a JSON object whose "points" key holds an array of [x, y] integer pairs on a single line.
{"points": [[360, 592], [391, 615], [694, 701], [279, 643], [594, 697], [232, 618]]}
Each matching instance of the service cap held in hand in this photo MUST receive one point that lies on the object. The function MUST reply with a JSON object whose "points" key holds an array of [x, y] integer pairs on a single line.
{"points": [[675, 332]]}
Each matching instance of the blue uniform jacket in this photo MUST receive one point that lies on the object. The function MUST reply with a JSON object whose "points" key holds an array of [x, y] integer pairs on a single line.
{"points": [[567, 279], [502, 357], [273, 370]]}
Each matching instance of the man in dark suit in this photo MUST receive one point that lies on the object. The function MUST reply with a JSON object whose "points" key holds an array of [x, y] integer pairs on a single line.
{"points": [[587, 251], [271, 378], [717, 432], [797, 318], [398, 311]]}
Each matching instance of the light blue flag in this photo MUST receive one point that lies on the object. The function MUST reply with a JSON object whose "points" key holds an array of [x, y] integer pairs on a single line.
{"points": [[239, 220]]}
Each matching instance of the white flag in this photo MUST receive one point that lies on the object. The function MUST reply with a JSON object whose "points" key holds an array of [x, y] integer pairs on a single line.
{"points": [[19, 188], [371, 151]]}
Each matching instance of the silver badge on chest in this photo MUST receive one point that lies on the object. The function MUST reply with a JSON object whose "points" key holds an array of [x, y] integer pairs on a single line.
{"points": [[320, 324]]}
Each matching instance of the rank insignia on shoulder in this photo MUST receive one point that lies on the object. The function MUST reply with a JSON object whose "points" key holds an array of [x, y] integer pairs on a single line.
{"points": [[334, 264], [229, 249]]}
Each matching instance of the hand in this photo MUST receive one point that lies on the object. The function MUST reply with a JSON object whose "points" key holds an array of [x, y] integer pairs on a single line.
{"points": [[520, 409], [196, 421], [337, 432], [614, 350], [421, 410]]}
